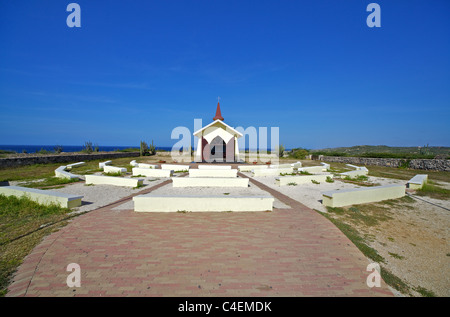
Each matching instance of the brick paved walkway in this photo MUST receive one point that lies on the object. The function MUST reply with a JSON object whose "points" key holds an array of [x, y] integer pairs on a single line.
{"points": [[287, 252]]}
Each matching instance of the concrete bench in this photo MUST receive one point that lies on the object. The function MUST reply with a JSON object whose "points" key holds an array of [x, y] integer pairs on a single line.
{"points": [[175, 167], [272, 171], [61, 172], [212, 173], [280, 166], [302, 179], [103, 164], [145, 165], [44, 197], [214, 167], [356, 167], [142, 165], [209, 182], [355, 173], [150, 172], [312, 169], [111, 180], [134, 163], [70, 166], [151, 203], [326, 166], [296, 165], [418, 181], [346, 197], [114, 169], [250, 167]]}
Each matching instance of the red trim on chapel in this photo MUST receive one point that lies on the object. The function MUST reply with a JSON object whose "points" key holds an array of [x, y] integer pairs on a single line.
{"points": [[218, 114]]}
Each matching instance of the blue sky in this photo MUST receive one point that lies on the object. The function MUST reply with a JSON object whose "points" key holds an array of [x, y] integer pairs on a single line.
{"points": [[135, 70]]}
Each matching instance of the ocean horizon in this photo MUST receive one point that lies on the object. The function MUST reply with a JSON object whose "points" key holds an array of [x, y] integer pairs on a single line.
{"points": [[72, 148]]}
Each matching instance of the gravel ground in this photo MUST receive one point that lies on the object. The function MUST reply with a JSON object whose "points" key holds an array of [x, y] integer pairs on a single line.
{"points": [[96, 196], [311, 194], [169, 190]]}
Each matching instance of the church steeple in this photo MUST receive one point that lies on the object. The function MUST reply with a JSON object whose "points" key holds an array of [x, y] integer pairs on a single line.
{"points": [[218, 114]]}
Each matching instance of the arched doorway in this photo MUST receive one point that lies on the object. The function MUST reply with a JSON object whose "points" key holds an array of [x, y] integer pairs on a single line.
{"points": [[218, 149]]}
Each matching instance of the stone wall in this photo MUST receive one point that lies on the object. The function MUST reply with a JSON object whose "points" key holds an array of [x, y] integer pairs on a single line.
{"points": [[420, 164], [61, 158]]}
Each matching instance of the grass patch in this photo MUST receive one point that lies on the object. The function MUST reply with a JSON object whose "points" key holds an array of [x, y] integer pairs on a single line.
{"points": [[329, 180], [292, 184], [396, 256], [50, 182], [22, 217], [314, 181], [394, 281], [304, 173], [288, 174], [116, 174], [434, 191], [357, 240], [424, 292]]}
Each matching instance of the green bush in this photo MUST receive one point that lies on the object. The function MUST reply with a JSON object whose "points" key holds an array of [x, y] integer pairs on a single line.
{"points": [[299, 154]]}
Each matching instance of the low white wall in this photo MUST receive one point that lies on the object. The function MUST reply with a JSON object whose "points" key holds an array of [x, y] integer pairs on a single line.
{"points": [[148, 203], [355, 173], [149, 172], [313, 169], [111, 180], [103, 164], [114, 169], [175, 167], [347, 197], [44, 197], [214, 167], [418, 181], [212, 173], [250, 167], [209, 182], [61, 172]]}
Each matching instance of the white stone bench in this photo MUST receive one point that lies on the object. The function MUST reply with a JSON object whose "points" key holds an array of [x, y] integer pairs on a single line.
{"points": [[61, 172], [355, 173], [111, 180], [250, 167], [272, 171], [302, 179], [210, 182], [346, 197], [134, 163], [175, 167], [152, 203], [43, 196], [312, 169], [214, 167], [142, 165], [212, 173], [418, 181], [70, 166], [145, 165], [114, 169], [150, 172], [297, 165], [103, 164], [326, 166], [278, 166]]}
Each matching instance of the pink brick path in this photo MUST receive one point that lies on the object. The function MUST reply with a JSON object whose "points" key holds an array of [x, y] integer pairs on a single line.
{"points": [[287, 252]]}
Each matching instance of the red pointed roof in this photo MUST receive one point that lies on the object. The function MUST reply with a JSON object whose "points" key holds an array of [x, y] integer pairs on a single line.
{"points": [[218, 114]]}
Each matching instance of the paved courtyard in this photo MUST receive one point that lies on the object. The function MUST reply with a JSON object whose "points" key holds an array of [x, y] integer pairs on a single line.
{"points": [[287, 252]]}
